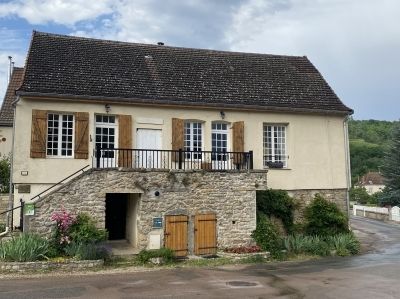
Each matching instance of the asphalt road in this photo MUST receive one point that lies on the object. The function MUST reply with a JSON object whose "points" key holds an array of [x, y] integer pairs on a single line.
{"points": [[372, 275]]}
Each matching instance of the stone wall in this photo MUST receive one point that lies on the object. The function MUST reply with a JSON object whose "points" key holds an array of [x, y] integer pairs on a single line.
{"points": [[3, 207], [304, 197], [231, 195], [69, 265]]}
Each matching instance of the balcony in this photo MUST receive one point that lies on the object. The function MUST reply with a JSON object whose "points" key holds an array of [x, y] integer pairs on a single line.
{"points": [[172, 159]]}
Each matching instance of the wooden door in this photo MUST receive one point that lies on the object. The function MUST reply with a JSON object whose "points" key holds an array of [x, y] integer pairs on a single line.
{"points": [[205, 234], [176, 234]]}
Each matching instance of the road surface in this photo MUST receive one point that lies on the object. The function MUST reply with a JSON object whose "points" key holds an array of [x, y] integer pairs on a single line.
{"points": [[372, 275]]}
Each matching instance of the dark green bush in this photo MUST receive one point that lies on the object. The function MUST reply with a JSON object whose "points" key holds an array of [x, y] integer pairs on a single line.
{"points": [[167, 255], [84, 230], [277, 203], [324, 218], [24, 248], [2, 227], [266, 235]]}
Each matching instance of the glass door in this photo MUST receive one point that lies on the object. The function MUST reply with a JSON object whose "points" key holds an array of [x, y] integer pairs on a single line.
{"points": [[106, 136], [219, 139]]}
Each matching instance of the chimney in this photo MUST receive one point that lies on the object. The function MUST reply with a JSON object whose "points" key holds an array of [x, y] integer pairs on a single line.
{"points": [[160, 43], [10, 68]]}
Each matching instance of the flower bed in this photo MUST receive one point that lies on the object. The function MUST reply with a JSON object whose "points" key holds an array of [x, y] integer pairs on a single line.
{"points": [[67, 265]]}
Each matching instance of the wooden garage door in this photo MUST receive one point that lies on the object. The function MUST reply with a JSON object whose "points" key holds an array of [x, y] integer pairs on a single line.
{"points": [[205, 234], [176, 234]]}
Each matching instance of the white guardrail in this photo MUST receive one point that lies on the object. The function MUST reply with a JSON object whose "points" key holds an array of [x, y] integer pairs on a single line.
{"points": [[393, 213]]}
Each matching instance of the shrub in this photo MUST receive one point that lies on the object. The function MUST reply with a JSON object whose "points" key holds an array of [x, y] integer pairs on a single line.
{"points": [[2, 227], [300, 244], [266, 235], [344, 244], [324, 218], [84, 230], [5, 174], [87, 251], [145, 256], [277, 203], [24, 248], [63, 220]]}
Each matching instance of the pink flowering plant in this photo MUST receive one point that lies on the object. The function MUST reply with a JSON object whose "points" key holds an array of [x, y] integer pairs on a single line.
{"points": [[64, 220]]}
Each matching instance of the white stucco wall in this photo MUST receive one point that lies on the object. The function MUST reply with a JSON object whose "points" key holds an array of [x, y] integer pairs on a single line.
{"points": [[315, 143]]}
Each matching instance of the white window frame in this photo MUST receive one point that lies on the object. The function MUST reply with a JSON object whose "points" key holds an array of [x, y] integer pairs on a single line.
{"points": [[221, 131], [60, 135], [266, 147], [191, 135]]}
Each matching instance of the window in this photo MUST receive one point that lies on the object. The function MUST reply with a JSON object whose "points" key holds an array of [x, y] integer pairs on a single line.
{"points": [[105, 130], [60, 129], [193, 140], [275, 146], [219, 140]]}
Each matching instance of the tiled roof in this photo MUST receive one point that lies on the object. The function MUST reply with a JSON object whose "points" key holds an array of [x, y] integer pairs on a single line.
{"points": [[67, 66], [372, 178], [7, 111]]}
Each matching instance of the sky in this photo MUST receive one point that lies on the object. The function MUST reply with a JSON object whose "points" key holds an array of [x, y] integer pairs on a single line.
{"points": [[355, 44]]}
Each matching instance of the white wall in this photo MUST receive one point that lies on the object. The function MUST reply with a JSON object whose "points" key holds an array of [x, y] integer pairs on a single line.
{"points": [[315, 143]]}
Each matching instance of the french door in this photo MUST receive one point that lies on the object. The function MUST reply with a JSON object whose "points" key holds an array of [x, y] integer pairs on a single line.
{"points": [[106, 138], [219, 140]]}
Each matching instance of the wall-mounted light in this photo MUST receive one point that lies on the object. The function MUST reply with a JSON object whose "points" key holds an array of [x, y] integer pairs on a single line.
{"points": [[108, 108], [222, 113]]}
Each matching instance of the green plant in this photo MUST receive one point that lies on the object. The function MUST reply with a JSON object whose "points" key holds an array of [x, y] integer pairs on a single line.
{"points": [[266, 235], [300, 244], [24, 248], [277, 203], [2, 227], [145, 256], [5, 174], [324, 218], [344, 244], [87, 251], [84, 230]]}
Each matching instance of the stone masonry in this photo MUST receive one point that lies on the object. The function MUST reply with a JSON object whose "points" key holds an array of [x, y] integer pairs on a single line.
{"points": [[231, 195], [305, 196]]}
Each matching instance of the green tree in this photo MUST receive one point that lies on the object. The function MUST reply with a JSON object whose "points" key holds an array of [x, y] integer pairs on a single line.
{"points": [[5, 174], [391, 171], [360, 195]]}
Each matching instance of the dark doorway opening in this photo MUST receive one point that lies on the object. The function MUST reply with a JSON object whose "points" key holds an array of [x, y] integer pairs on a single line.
{"points": [[116, 208]]}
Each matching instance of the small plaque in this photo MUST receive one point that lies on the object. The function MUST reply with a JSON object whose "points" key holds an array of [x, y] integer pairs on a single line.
{"points": [[29, 209], [24, 188], [157, 222]]}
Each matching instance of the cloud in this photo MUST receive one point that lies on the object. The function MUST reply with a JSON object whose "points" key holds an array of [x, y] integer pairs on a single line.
{"points": [[354, 44], [65, 12], [182, 23]]}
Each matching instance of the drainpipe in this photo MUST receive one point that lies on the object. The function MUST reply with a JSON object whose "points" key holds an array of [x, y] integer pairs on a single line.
{"points": [[347, 154], [10, 195]]}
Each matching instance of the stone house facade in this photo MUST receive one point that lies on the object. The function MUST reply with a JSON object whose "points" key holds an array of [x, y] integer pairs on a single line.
{"points": [[201, 127]]}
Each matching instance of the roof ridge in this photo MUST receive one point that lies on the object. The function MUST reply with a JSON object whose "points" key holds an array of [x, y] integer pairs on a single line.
{"points": [[110, 41]]}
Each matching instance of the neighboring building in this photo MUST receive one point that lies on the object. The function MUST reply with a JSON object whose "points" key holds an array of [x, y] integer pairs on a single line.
{"points": [[7, 112], [372, 182], [218, 119]]}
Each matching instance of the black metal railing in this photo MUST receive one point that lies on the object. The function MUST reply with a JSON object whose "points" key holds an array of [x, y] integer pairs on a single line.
{"points": [[172, 159], [22, 203]]}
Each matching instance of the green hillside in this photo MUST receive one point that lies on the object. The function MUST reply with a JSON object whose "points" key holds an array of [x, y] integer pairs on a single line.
{"points": [[368, 142]]}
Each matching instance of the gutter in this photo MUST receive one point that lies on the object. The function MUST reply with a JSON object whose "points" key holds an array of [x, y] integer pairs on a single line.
{"points": [[177, 103], [10, 194]]}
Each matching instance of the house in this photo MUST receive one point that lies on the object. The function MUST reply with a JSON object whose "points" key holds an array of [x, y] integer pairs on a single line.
{"points": [[175, 141], [372, 182], [7, 112], [6, 128]]}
